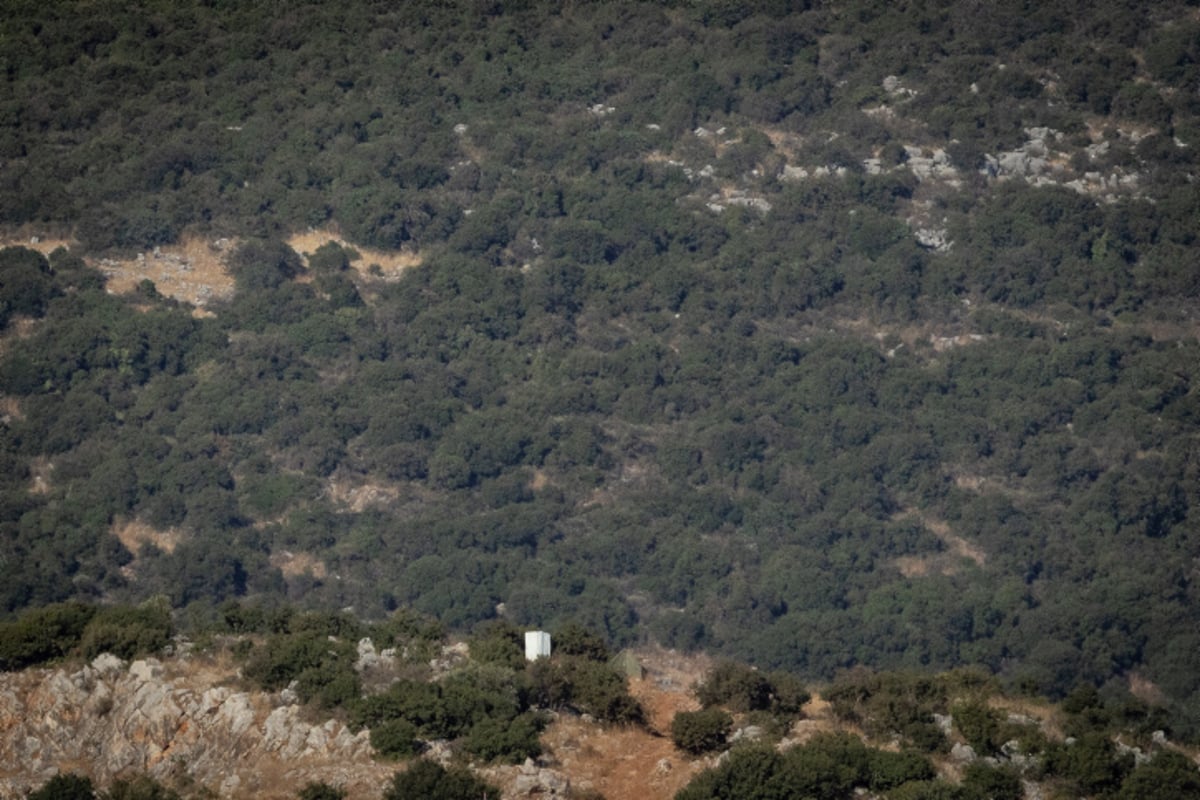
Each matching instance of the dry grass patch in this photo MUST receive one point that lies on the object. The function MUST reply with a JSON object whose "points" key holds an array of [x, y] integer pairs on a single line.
{"points": [[293, 564], [40, 470], [391, 264], [134, 534], [359, 497], [192, 271], [35, 241], [10, 409]]}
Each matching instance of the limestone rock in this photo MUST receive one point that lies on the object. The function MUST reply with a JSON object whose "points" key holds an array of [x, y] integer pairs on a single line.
{"points": [[107, 720]]}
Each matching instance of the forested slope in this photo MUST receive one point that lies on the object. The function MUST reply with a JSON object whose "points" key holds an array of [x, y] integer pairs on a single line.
{"points": [[821, 335]]}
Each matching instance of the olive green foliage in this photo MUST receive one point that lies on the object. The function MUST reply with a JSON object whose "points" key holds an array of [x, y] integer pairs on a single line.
{"points": [[981, 725], [828, 767], [141, 787], [1090, 764], [320, 791], [1167, 774], [582, 684], [395, 738], [741, 688], [62, 629], [26, 284], [427, 780], [575, 640], [796, 435], [321, 666], [499, 643], [128, 632], [892, 704], [65, 786], [42, 634], [983, 780], [482, 706], [703, 731]]}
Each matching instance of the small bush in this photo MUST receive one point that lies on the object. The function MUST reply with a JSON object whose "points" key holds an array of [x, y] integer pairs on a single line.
{"points": [[395, 738], [321, 791], [511, 741], [425, 780], [703, 731], [68, 786]]}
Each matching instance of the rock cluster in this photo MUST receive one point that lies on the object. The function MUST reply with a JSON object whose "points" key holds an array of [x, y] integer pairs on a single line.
{"points": [[111, 719]]}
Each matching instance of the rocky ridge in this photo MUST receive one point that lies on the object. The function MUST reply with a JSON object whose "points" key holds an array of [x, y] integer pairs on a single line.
{"points": [[114, 719]]}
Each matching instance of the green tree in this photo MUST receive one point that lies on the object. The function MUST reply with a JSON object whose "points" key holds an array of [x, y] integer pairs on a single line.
{"points": [[321, 791], [142, 787], [699, 732], [1167, 774], [986, 782], [65, 786], [427, 780], [394, 738]]}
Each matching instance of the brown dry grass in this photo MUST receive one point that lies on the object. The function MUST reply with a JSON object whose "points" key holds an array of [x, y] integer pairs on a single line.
{"points": [[818, 718], [359, 497], [10, 409], [192, 271], [1146, 690], [619, 763], [292, 564], [40, 469], [634, 763], [43, 244], [134, 534], [391, 263]]}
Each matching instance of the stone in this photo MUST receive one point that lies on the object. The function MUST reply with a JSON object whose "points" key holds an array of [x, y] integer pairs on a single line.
{"points": [[107, 664], [541, 782], [146, 669], [962, 752]]}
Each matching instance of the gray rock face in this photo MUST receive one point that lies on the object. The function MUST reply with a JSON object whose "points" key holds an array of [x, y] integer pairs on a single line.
{"points": [[111, 720], [534, 781]]}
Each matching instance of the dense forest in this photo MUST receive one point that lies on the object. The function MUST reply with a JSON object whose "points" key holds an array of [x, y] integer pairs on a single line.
{"points": [[817, 334]]}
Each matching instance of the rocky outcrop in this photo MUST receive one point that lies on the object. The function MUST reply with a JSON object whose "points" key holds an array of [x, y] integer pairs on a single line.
{"points": [[111, 719]]}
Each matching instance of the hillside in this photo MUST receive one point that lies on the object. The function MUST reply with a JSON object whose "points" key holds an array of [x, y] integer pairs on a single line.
{"points": [[189, 725], [821, 335]]}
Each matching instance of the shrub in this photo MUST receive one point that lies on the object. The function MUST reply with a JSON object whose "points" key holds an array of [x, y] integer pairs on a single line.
{"points": [[143, 787], [426, 780], [982, 780], [575, 640], [68, 786], [512, 741], [980, 726], [127, 632], [736, 686], [394, 738], [888, 770], [321, 791], [42, 634], [703, 731]]}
